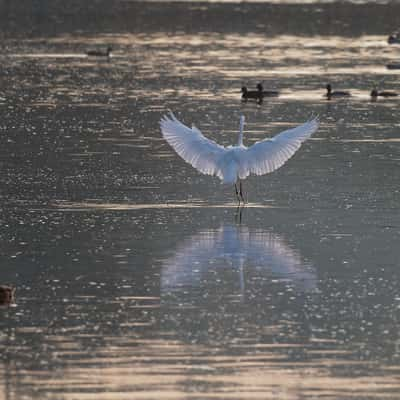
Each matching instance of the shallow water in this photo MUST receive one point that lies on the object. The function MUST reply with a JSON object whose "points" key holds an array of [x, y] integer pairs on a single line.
{"points": [[137, 277]]}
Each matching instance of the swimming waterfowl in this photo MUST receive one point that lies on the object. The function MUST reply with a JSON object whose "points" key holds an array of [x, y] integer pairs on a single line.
{"points": [[251, 94], [6, 294], [385, 93], [267, 93], [338, 93], [393, 66], [258, 94], [99, 53], [394, 38]]}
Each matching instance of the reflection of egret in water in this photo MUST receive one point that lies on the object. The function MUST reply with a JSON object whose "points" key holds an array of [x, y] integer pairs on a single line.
{"points": [[234, 281], [238, 248]]}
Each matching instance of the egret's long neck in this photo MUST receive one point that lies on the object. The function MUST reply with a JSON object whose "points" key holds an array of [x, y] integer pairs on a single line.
{"points": [[241, 125]]}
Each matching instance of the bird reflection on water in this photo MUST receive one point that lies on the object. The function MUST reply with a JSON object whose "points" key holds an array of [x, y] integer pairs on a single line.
{"points": [[246, 250], [222, 283]]}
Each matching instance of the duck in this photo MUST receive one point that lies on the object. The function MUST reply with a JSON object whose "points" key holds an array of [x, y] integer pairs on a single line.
{"points": [[338, 93], [251, 94], [386, 93], [258, 94], [394, 38], [393, 66], [6, 294], [99, 53], [267, 93]]}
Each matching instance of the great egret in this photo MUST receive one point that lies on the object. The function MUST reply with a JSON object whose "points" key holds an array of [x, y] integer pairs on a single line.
{"points": [[232, 164]]}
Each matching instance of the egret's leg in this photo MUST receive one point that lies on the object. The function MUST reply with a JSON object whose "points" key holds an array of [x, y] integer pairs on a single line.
{"points": [[238, 214], [237, 193], [242, 282], [241, 191]]}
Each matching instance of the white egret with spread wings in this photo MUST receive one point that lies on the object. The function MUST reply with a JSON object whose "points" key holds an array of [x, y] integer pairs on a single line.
{"points": [[232, 164]]}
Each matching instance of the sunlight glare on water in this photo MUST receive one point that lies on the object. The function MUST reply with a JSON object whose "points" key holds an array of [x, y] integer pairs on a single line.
{"points": [[137, 277]]}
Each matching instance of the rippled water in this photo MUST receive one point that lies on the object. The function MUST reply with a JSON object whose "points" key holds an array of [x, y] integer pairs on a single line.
{"points": [[135, 276]]}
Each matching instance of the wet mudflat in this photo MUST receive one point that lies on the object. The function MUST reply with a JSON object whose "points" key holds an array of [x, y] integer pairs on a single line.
{"points": [[137, 277]]}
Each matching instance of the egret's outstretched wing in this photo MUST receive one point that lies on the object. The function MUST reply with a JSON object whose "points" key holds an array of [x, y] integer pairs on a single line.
{"points": [[191, 145], [270, 154]]}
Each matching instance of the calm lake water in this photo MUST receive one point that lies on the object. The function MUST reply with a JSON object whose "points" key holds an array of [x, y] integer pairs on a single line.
{"points": [[137, 277]]}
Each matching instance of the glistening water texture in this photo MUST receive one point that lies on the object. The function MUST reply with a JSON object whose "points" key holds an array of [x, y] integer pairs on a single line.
{"points": [[137, 277]]}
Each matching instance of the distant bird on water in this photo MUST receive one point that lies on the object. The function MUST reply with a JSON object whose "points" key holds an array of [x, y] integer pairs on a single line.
{"points": [[258, 94], [392, 65], [337, 93], [232, 164], [267, 93], [385, 93], [394, 38], [99, 53], [251, 94], [6, 294]]}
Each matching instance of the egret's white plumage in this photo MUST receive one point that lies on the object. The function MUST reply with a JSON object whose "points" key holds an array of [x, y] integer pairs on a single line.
{"points": [[234, 163]]}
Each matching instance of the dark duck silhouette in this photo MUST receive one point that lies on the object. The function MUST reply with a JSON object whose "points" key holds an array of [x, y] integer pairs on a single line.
{"points": [[385, 93], [6, 294], [258, 94], [99, 53], [330, 93], [266, 93], [251, 94], [394, 38], [393, 65]]}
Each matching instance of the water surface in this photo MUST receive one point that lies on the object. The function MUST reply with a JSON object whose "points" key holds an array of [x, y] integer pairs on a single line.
{"points": [[139, 278]]}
